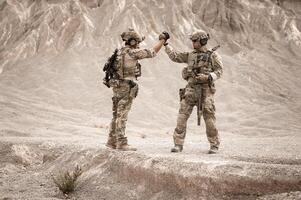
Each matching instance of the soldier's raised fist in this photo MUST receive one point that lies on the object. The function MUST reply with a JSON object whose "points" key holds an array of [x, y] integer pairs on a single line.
{"points": [[164, 36]]}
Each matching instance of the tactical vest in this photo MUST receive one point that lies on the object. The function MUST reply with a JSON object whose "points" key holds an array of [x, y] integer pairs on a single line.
{"points": [[200, 62], [127, 67]]}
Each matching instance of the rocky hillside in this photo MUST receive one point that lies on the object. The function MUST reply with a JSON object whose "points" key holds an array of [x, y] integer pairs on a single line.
{"points": [[55, 50]]}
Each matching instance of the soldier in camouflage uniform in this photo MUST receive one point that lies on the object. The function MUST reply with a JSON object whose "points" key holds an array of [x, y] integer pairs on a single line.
{"points": [[204, 68], [125, 89]]}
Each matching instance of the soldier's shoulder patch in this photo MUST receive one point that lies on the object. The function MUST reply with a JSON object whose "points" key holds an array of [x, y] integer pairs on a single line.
{"points": [[217, 58]]}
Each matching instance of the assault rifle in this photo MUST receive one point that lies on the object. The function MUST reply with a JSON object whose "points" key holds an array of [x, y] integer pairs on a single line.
{"points": [[201, 96], [110, 69]]}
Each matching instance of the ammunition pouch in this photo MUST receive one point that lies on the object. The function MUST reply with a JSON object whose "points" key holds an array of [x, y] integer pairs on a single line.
{"points": [[133, 89], [138, 71], [182, 93], [187, 73], [190, 95], [133, 71], [113, 83]]}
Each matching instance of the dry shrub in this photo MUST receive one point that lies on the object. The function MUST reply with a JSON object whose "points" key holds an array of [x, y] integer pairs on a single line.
{"points": [[67, 181]]}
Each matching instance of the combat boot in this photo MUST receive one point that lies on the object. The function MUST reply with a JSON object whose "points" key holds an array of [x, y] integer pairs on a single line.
{"points": [[177, 148], [111, 143], [213, 150], [125, 147]]}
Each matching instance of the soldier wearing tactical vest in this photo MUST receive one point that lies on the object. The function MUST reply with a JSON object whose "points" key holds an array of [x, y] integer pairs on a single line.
{"points": [[204, 68], [125, 88]]}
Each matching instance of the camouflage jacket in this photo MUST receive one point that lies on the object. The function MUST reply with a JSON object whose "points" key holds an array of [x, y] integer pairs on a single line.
{"points": [[127, 60], [213, 66]]}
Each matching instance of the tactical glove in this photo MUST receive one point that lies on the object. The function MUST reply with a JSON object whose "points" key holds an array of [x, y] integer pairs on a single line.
{"points": [[164, 36]]}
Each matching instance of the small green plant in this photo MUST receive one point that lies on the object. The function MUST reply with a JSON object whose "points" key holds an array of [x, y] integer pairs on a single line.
{"points": [[67, 181]]}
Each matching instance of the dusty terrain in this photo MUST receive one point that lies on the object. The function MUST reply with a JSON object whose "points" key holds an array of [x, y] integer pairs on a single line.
{"points": [[55, 112]]}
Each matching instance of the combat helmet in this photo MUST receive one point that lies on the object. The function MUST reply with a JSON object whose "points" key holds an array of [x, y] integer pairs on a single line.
{"points": [[200, 35], [131, 34]]}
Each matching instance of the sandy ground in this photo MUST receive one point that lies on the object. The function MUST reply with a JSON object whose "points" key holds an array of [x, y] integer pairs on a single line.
{"points": [[38, 141]]}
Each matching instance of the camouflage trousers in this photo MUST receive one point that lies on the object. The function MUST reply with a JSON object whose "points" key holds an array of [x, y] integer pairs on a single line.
{"points": [[188, 101], [123, 96]]}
